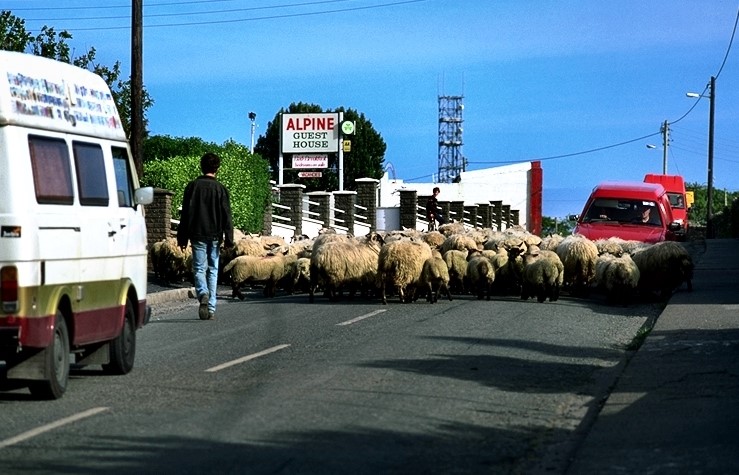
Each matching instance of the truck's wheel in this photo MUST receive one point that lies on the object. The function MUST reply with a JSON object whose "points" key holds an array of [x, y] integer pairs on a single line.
{"points": [[57, 364], [123, 348]]}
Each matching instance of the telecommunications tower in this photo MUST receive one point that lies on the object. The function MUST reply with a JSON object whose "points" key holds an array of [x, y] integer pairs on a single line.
{"points": [[451, 160]]}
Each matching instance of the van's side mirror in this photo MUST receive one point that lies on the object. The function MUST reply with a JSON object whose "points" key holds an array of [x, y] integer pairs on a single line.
{"points": [[144, 196], [573, 217]]}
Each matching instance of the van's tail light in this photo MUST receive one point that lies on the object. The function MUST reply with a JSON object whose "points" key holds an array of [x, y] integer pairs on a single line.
{"points": [[9, 289]]}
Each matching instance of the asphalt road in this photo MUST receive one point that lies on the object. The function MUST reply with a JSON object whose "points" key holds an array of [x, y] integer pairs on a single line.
{"points": [[284, 386]]}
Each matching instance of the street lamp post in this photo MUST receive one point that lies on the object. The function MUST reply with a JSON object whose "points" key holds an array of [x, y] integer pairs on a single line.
{"points": [[253, 118], [710, 232]]}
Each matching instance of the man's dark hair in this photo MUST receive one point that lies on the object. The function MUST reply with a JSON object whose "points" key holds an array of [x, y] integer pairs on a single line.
{"points": [[210, 163], [436, 188]]}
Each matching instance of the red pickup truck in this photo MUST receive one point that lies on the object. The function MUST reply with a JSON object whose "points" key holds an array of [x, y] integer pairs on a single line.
{"points": [[629, 210]]}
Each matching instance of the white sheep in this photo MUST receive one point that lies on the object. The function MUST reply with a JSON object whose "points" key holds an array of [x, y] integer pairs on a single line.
{"points": [[456, 262], [461, 242], [344, 263], [268, 270], [578, 254], [400, 265], [480, 274], [663, 267], [434, 278], [542, 276], [618, 277]]}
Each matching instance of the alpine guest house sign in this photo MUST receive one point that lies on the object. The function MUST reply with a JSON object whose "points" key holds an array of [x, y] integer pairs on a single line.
{"points": [[310, 133]]}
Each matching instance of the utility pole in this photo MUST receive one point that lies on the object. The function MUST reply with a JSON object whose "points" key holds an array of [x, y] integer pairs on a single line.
{"points": [[137, 86], [709, 191], [665, 141]]}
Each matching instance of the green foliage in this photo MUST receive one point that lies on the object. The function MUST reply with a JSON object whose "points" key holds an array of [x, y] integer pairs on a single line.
{"points": [[162, 147], [245, 175], [364, 161], [561, 226], [50, 44]]}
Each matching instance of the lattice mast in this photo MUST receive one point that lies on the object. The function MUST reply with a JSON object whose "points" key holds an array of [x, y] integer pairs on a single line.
{"points": [[451, 160]]}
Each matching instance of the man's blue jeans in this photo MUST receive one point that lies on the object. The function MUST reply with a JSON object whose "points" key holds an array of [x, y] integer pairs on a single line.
{"points": [[205, 269]]}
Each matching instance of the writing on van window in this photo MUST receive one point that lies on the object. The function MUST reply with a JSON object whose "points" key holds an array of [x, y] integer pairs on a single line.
{"points": [[91, 177], [62, 101], [52, 178]]}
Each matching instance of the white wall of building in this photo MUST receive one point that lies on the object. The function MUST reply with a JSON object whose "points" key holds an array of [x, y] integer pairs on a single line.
{"points": [[509, 184]]}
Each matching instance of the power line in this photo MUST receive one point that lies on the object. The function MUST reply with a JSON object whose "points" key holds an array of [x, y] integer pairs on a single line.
{"points": [[211, 12], [271, 17]]}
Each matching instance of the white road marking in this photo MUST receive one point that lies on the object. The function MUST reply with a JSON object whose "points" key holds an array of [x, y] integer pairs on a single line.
{"points": [[362, 317], [48, 427], [246, 358]]}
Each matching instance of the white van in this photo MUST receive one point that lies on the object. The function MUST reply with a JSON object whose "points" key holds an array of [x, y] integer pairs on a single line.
{"points": [[72, 231]]}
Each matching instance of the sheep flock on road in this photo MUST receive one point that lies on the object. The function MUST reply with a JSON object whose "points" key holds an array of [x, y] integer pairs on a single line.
{"points": [[403, 266]]}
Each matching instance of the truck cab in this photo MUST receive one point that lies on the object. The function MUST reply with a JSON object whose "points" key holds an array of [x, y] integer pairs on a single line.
{"points": [[628, 210], [679, 199]]}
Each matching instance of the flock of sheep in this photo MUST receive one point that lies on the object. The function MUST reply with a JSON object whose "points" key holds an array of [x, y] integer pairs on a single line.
{"points": [[450, 261]]}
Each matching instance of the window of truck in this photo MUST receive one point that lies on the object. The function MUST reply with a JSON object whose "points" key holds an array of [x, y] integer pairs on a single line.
{"points": [[52, 178], [676, 200], [93, 186], [623, 211], [123, 178]]}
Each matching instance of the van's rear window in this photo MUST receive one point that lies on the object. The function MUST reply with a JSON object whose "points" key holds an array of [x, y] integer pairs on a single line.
{"points": [[52, 178]]}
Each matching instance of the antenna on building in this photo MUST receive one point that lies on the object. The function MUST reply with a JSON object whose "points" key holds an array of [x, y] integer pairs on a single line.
{"points": [[451, 160]]}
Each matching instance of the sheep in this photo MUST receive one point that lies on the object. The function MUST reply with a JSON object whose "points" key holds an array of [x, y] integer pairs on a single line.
{"points": [[268, 269], [449, 229], [400, 265], [508, 267], [433, 239], [618, 276], [456, 262], [302, 280], [480, 274], [434, 278], [578, 254], [663, 267], [550, 243], [461, 242], [169, 262], [542, 274], [612, 245], [344, 263]]}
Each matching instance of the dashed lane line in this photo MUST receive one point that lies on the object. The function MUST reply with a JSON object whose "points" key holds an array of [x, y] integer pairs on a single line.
{"points": [[246, 358], [361, 317], [49, 427]]}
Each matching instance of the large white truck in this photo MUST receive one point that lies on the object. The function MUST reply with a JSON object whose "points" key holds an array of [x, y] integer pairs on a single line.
{"points": [[73, 258]]}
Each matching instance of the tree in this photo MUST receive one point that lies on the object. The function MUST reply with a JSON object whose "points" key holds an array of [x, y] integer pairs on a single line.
{"points": [[560, 226], [50, 44], [364, 161]]}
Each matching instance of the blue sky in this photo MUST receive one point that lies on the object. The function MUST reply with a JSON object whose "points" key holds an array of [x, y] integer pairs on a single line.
{"points": [[540, 79]]}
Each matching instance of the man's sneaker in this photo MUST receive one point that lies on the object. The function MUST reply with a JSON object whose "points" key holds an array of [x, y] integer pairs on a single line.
{"points": [[203, 310]]}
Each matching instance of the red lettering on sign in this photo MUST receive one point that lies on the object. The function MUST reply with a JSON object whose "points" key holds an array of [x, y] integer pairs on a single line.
{"points": [[311, 123]]}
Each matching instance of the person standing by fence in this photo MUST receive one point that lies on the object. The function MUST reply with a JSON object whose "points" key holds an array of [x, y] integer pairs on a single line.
{"points": [[433, 212]]}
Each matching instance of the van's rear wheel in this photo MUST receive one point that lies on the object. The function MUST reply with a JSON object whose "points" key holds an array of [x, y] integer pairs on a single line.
{"points": [[123, 348], [57, 364]]}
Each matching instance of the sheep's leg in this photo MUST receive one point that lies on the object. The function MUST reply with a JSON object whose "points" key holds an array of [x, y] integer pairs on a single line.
{"points": [[448, 292]]}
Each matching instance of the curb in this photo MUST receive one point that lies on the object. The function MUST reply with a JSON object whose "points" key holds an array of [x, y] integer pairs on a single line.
{"points": [[157, 298]]}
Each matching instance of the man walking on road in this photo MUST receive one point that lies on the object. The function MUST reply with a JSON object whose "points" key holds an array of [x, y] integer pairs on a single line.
{"points": [[206, 222]]}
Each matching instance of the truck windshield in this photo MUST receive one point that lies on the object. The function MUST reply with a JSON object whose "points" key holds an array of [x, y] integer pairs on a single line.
{"points": [[623, 211]]}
